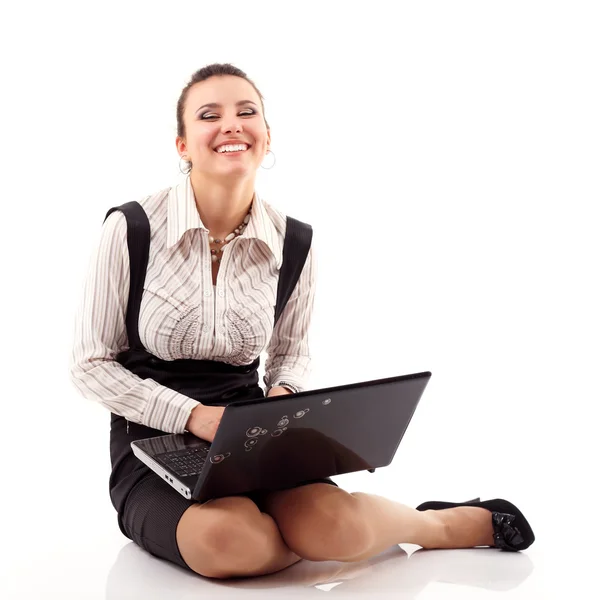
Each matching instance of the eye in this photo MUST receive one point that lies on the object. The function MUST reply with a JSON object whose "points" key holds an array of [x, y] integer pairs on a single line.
{"points": [[247, 112]]}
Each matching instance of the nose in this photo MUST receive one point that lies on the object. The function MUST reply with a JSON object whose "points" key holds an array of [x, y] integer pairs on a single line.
{"points": [[235, 126]]}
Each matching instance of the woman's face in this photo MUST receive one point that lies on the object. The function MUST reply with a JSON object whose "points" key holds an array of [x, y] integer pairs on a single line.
{"points": [[235, 114]]}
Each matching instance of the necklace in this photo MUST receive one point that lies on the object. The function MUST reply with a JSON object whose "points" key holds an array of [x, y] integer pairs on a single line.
{"points": [[216, 255]]}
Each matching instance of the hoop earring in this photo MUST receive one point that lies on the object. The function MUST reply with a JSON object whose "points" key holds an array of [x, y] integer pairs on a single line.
{"points": [[274, 160], [189, 163]]}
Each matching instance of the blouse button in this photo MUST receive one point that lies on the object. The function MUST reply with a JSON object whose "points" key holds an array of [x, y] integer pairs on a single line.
{"points": [[221, 293], [207, 292], [204, 327]]}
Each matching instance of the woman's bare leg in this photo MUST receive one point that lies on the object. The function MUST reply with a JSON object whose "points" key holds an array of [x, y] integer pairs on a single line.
{"points": [[230, 537], [394, 523], [322, 522]]}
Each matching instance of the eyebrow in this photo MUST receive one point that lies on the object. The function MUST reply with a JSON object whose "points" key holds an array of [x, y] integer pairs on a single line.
{"points": [[217, 105]]}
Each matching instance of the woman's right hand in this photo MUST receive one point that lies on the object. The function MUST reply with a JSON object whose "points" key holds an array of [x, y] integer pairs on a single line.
{"points": [[204, 421]]}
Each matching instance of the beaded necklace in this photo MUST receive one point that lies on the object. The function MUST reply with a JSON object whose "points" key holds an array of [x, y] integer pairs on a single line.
{"points": [[216, 255]]}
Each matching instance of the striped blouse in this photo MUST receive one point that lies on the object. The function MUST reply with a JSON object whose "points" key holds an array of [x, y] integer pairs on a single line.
{"points": [[182, 315]]}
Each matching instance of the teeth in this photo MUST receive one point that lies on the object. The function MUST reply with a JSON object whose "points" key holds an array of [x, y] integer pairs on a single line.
{"points": [[232, 148]]}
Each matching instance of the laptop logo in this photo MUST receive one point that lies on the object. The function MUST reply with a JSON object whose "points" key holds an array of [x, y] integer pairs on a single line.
{"points": [[215, 460], [281, 426], [255, 432], [252, 435], [285, 421]]}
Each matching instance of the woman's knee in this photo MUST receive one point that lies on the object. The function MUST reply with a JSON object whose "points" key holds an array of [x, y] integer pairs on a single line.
{"points": [[333, 529], [224, 538]]}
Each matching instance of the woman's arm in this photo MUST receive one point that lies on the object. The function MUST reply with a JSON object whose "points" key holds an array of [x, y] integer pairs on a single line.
{"points": [[100, 334], [278, 391]]}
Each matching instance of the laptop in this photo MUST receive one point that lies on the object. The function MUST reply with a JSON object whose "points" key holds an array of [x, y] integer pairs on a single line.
{"points": [[278, 442]]}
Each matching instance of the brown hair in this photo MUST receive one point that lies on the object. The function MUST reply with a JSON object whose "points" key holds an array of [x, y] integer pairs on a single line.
{"points": [[216, 69]]}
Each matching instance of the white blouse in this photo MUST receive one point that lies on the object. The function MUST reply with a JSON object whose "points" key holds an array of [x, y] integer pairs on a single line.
{"points": [[182, 314]]}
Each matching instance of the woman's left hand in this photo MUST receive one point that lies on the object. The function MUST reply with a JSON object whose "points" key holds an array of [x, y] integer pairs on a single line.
{"points": [[278, 391]]}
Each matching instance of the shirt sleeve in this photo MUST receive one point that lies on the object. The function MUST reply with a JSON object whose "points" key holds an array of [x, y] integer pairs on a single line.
{"points": [[100, 334], [288, 360]]}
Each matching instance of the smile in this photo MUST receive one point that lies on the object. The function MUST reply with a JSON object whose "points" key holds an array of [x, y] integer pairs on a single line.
{"points": [[232, 148]]}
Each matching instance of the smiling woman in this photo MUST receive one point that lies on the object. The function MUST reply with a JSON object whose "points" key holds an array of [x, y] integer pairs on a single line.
{"points": [[223, 136], [164, 335], [164, 339], [226, 109]]}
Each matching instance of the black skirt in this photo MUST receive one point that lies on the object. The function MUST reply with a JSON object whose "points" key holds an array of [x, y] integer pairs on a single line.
{"points": [[152, 512]]}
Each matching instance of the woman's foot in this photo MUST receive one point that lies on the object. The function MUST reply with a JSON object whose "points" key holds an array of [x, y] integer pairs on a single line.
{"points": [[463, 527]]}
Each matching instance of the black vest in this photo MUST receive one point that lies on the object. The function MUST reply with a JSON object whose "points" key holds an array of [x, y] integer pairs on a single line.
{"points": [[209, 382]]}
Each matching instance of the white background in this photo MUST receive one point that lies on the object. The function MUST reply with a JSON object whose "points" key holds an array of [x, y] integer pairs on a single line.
{"points": [[446, 155]]}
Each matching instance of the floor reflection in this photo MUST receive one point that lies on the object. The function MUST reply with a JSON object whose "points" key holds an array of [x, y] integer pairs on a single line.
{"points": [[405, 571]]}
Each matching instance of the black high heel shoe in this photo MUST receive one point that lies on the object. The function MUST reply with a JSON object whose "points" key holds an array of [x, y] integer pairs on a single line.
{"points": [[512, 532]]}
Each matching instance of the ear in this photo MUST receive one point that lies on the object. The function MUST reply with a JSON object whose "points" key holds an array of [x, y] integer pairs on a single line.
{"points": [[268, 137], [181, 146]]}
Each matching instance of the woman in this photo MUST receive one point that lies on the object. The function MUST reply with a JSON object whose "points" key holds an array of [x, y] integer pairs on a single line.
{"points": [[164, 345]]}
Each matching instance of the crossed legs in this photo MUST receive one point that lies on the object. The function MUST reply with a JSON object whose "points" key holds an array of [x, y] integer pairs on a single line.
{"points": [[231, 537], [322, 522]]}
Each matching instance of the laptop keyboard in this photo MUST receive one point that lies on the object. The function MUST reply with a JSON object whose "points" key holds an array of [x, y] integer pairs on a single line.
{"points": [[186, 462]]}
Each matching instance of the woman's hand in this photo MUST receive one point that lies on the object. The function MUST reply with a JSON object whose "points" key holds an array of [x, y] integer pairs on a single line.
{"points": [[278, 391], [204, 421]]}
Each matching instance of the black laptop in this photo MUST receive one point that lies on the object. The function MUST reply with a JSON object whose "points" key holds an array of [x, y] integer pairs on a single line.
{"points": [[274, 443]]}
